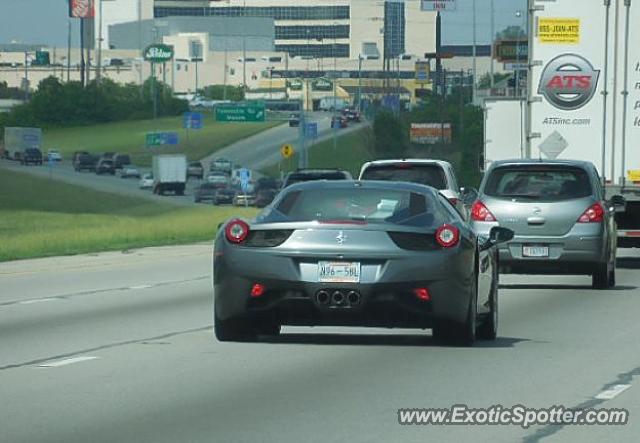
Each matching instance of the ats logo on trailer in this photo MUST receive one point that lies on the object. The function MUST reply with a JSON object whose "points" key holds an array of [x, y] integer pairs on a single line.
{"points": [[569, 82]]}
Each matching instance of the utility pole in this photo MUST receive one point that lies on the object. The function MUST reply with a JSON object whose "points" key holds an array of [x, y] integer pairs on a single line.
{"points": [[82, 61], [244, 48], [475, 66], [26, 76], [99, 64], [68, 50], [493, 40]]}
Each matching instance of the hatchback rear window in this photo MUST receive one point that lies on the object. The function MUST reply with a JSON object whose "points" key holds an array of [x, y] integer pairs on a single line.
{"points": [[543, 183], [430, 175], [357, 205]]}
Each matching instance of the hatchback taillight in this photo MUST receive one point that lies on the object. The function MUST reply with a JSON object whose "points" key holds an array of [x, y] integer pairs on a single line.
{"points": [[593, 214], [236, 231], [447, 236], [479, 212]]}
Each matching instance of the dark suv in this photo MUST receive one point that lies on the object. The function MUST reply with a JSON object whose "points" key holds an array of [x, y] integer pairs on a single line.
{"points": [[121, 160], [31, 155]]}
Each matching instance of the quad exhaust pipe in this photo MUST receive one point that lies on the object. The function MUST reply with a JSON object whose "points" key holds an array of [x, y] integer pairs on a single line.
{"points": [[338, 298]]}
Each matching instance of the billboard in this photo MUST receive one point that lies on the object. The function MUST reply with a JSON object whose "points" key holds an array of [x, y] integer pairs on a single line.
{"points": [[430, 133], [82, 8]]}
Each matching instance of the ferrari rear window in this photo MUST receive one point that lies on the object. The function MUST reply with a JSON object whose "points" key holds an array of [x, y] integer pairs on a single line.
{"points": [[358, 205]]}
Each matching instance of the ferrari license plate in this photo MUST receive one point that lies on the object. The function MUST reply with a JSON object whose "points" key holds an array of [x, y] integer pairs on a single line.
{"points": [[535, 251], [338, 272]]}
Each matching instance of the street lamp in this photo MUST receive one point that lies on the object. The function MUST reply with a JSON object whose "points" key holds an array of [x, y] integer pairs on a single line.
{"points": [[519, 14], [100, 39]]}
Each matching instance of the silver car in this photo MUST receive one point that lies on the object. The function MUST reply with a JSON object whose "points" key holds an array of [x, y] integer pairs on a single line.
{"points": [[345, 253], [562, 223], [436, 173]]}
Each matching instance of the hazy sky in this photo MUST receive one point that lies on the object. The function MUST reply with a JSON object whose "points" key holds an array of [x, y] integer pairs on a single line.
{"points": [[45, 21]]}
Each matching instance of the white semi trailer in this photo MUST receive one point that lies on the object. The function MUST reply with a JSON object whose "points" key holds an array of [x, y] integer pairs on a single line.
{"points": [[583, 96]]}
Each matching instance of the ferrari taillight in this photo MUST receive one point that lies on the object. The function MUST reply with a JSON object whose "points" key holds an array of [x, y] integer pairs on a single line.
{"points": [[479, 212], [593, 214], [447, 236], [236, 231]]}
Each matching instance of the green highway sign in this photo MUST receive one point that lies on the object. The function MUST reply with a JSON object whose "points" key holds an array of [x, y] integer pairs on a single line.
{"points": [[241, 113], [158, 53], [161, 138]]}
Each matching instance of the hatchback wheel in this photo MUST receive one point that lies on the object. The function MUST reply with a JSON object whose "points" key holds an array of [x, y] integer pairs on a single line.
{"points": [[604, 276]]}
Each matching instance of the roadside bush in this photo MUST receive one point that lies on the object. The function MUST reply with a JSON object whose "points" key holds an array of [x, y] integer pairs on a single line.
{"points": [[391, 140]]}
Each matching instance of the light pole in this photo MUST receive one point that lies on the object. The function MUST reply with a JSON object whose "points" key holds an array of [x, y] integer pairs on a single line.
{"points": [[359, 82], [244, 49], [493, 38], [519, 14], [475, 67], [26, 76], [270, 70]]}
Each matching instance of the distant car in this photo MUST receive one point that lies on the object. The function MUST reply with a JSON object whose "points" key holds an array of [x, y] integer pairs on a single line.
{"points": [[205, 192], [146, 182], [351, 115], [305, 175], [83, 161], [294, 120], [224, 196], [562, 223], [31, 156], [339, 122], [121, 160], [266, 183], [219, 178], [264, 197], [105, 167], [54, 155], [129, 172], [201, 103], [435, 173], [195, 170], [243, 198], [221, 164]]}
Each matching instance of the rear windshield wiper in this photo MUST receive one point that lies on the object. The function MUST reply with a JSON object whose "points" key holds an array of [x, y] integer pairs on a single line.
{"points": [[527, 196]]}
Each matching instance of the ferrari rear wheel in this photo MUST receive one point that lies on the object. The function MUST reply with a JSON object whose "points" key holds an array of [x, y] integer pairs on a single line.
{"points": [[233, 330], [460, 334], [488, 330]]}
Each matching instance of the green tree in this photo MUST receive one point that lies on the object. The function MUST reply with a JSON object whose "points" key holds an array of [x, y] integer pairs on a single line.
{"points": [[391, 138]]}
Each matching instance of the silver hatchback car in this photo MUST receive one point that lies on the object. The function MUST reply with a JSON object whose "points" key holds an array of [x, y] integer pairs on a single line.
{"points": [[562, 223]]}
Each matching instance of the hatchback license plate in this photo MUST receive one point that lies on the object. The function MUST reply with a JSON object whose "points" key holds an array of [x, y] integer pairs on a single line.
{"points": [[535, 251], [338, 272]]}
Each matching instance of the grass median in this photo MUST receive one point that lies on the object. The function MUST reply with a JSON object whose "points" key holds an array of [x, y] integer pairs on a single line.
{"points": [[40, 217], [129, 137]]}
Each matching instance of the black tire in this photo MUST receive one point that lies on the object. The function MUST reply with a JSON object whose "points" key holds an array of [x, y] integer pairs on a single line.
{"points": [[460, 334], [488, 330], [270, 329], [233, 330], [604, 276]]}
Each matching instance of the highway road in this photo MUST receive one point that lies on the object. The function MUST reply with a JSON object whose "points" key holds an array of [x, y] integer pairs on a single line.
{"points": [[118, 347], [255, 152]]}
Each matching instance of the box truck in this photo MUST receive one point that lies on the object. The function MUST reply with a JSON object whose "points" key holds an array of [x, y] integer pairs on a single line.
{"points": [[18, 140], [583, 97], [169, 174]]}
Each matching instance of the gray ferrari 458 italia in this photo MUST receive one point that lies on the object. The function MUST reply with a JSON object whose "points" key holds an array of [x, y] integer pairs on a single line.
{"points": [[356, 253]]}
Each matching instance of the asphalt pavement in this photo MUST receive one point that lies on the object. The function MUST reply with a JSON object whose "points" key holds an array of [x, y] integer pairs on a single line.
{"points": [[119, 347]]}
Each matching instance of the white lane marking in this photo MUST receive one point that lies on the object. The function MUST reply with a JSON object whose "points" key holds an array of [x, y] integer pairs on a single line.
{"points": [[66, 361], [141, 287], [612, 392], [39, 300]]}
